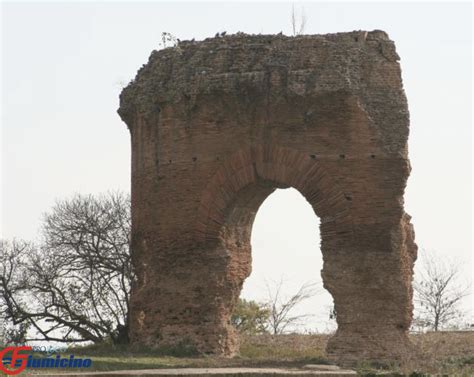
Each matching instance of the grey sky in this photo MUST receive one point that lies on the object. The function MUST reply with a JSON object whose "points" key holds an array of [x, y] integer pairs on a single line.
{"points": [[63, 65]]}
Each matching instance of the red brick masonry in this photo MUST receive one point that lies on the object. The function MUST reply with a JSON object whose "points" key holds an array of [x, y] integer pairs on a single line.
{"points": [[216, 126]]}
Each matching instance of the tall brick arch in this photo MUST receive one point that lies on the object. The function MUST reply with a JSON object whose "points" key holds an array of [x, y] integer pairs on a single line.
{"points": [[216, 126]]}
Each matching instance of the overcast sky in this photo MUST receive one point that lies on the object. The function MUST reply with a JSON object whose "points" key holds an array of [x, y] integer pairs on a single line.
{"points": [[63, 66]]}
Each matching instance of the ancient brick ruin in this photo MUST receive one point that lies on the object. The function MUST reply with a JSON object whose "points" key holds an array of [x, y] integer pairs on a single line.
{"points": [[218, 125]]}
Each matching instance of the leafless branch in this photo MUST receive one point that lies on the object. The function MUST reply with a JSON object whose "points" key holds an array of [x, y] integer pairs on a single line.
{"points": [[438, 292], [75, 285], [281, 308], [298, 29]]}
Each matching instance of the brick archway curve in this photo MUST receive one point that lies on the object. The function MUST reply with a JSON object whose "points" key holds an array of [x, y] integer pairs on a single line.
{"points": [[252, 173]]}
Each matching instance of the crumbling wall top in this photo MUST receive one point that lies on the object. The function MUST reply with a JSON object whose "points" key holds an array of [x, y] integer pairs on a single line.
{"points": [[174, 73]]}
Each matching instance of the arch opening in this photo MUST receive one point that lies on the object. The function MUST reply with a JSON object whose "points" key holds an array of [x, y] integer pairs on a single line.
{"points": [[286, 256]]}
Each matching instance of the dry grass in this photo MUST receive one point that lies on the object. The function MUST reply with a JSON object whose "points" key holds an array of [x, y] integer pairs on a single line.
{"points": [[255, 351], [293, 348], [450, 354], [442, 353], [445, 353], [437, 354]]}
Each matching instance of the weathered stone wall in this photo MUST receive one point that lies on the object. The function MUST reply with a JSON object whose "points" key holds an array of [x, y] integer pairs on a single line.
{"points": [[218, 125]]}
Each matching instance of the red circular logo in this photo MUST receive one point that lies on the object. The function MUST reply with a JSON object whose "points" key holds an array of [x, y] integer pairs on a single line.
{"points": [[15, 356]]}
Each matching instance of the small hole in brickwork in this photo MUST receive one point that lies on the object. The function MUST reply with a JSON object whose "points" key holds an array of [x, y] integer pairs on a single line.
{"points": [[169, 161], [372, 155], [194, 159], [348, 197], [217, 158], [342, 156], [313, 156]]}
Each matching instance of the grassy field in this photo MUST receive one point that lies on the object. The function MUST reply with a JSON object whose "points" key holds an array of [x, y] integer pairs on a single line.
{"points": [[449, 354], [255, 351]]}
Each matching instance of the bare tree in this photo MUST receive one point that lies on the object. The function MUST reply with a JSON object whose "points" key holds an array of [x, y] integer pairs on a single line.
{"points": [[11, 255], [75, 286], [438, 293], [281, 308], [298, 29]]}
